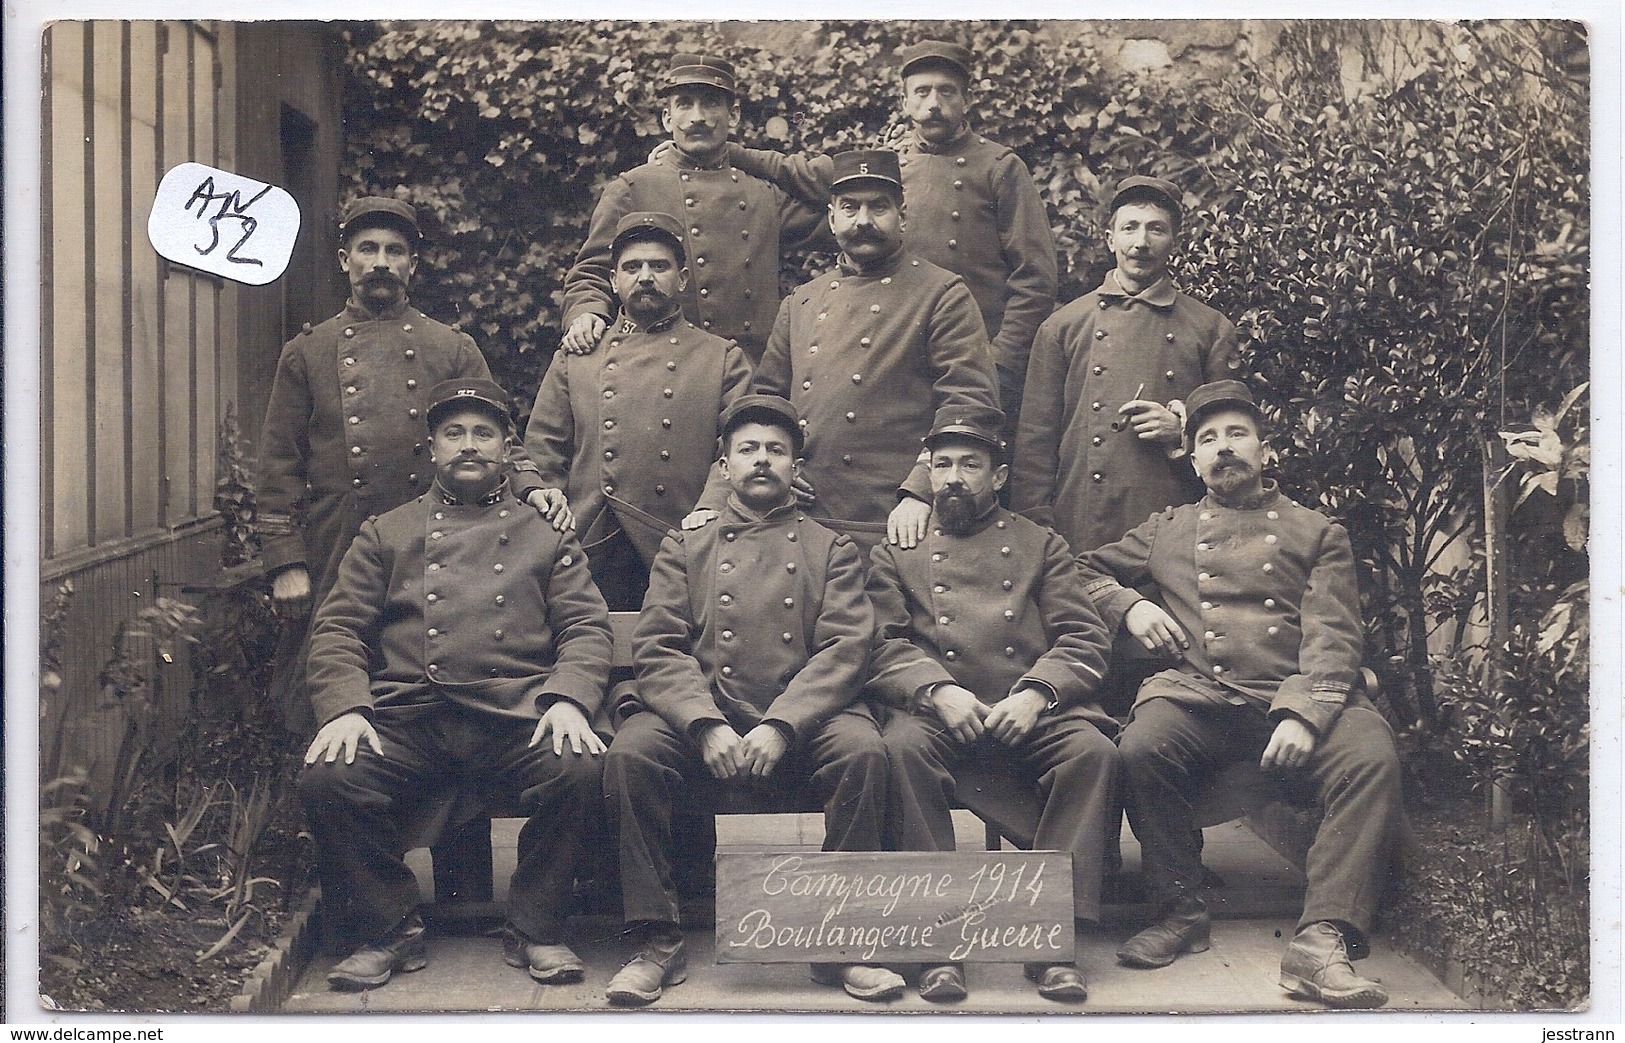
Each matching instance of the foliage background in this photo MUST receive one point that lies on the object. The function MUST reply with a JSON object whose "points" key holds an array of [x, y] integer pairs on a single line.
{"points": [[1396, 215]]}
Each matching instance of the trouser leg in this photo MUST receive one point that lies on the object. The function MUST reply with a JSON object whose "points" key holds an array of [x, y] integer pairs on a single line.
{"points": [[560, 793], [919, 756], [1077, 770], [848, 760], [367, 888], [1355, 769], [1167, 750], [643, 776]]}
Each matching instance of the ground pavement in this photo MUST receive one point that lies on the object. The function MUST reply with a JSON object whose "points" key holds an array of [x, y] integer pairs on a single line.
{"points": [[1255, 913]]}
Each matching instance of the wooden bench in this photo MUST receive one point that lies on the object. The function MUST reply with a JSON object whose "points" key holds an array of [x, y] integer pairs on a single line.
{"points": [[1007, 807]]}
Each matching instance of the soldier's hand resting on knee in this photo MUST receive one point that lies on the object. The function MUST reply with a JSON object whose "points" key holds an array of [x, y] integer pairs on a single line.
{"points": [[719, 749], [760, 750], [1290, 745], [565, 721], [1156, 629], [343, 734], [960, 711], [1013, 718]]}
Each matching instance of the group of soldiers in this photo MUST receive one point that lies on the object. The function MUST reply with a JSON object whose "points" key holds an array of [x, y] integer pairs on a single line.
{"points": [[904, 519]]}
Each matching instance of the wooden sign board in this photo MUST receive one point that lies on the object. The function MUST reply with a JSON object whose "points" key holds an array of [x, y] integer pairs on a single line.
{"points": [[894, 906]]}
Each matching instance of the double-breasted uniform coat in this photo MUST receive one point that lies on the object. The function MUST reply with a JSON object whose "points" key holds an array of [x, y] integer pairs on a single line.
{"points": [[1078, 467], [972, 209], [630, 432], [867, 358], [1267, 596], [734, 225], [345, 437], [995, 610], [453, 626], [750, 619]]}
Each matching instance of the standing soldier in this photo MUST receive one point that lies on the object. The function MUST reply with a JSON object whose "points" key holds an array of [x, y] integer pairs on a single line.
{"points": [[972, 207], [989, 648], [1099, 448], [735, 223], [631, 432], [868, 353], [750, 653], [343, 436]]}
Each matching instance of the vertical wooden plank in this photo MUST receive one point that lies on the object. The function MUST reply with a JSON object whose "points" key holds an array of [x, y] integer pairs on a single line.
{"points": [[208, 339], [47, 522], [67, 420], [176, 133], [231, 341], [146, 468], [109, 176]]}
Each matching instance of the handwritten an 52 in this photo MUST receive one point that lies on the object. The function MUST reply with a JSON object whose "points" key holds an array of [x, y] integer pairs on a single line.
{"points": [[232, 207]]}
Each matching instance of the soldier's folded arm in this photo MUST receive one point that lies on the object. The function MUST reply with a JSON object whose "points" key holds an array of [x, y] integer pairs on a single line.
{"points": [[1111, 573], [1079, 643], [670, 680], [583, 642], [901, 673], [284, 458], [1331, 649], [588, 290], [1038, 434], [347, 627]]}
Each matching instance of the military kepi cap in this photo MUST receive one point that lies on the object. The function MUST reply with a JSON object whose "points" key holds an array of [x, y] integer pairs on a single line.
{"points": [[477, 393], [372, 211], [1211, 398], [928, 53], [980, 424], [878, 165], [701, 69], [762, 409], [648, 224], [1140, 187]]}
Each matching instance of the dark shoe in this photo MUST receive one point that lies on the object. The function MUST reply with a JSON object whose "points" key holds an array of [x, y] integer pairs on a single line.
{"points": [[662, 962], [549, 964], [944, 983], [1316, 966], [861, 981], [376, 962], [1184, 927], [1061, 982]]}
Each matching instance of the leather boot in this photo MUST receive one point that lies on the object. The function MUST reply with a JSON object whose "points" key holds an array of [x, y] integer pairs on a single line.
{"points": [[1316, 965], [662, 961], [1184, 927], [376, 962], [548, 964], [861, 981]]}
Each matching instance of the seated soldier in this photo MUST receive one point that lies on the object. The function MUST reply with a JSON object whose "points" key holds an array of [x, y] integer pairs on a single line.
{"points": [[464, 635], [631, 432], [985, 634], [749, 652], [1258, 603]]}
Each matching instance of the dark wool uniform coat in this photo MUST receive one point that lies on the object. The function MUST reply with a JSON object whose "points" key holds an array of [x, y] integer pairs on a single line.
{"points": [[867, 359], [995, 610], [345, 437], [482, 604], [1074, 472], [734, 225], [630, 431], [752, 619], [972, 209], [1266, 594]]}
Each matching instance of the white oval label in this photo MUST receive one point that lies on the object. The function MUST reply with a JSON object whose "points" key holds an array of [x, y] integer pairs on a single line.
{"points": [[224, 223]]}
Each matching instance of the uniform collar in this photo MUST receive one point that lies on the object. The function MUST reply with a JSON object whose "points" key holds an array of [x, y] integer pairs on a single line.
{"points": [[744, 514], [444, 497], [962, 137], [887, 267], [354, 312], [683, 161], [1160, 294], [988, 517], [1267, 498], [627, 324]]}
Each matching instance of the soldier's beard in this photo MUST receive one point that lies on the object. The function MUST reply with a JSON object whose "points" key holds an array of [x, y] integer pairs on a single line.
{"points": [[1229, 475], [959, 509]]}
